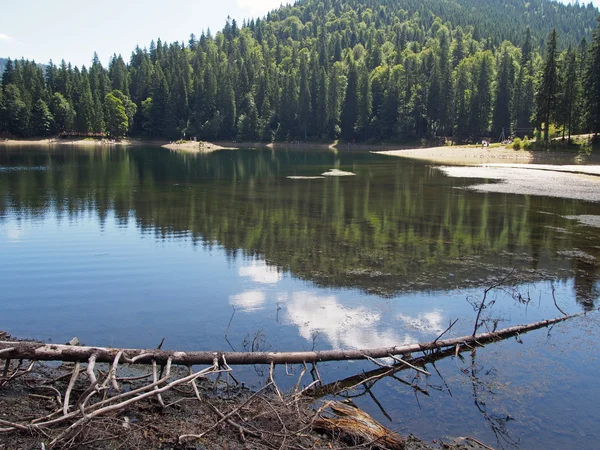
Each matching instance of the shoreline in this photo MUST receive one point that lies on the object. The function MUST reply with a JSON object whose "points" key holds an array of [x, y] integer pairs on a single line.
{"points": [[551, 174], [51, 142], [453, 155], [466, 156]]}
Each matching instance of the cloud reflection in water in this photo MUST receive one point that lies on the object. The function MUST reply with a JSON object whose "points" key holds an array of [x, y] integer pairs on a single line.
{"points": [[342, 326], [326, 316], [259, 272]]}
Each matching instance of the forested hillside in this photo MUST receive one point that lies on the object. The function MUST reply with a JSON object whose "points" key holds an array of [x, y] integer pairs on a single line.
{"points": [[359, 70]]}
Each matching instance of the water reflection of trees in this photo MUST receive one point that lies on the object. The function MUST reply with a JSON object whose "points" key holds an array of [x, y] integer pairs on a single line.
{"points": [[396, 226]]}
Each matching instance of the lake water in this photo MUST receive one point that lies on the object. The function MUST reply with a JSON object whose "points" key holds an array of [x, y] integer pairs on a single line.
{"points": [[221, 251]]}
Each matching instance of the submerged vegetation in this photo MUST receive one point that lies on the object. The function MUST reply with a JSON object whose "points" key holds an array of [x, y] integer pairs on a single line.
{"points": [[358, 70]]}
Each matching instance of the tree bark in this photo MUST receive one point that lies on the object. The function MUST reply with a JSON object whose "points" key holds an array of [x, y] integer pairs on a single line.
{"points": [[52, 352]]}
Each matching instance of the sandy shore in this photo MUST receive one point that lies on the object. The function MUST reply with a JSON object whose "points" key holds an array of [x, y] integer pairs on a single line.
{"points": [[188, 146], [195, 147], [463, 155], [561, 175], [50, 142]]}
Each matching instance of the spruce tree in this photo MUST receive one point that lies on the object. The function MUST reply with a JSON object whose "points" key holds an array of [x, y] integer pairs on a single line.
{"points": [[501, 118], [546, 98], [593, 83]]}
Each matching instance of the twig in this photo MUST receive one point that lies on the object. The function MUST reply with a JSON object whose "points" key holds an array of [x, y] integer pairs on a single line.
{"points": [[555, 303], [272, 381], [418, 369], [304, 369], [225, 417], [479, 442], [445, 331], [127, 402], [72, 381], [155, 379], [485, 293]]}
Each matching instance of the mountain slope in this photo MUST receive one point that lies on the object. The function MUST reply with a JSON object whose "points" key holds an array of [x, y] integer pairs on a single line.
{"points": [[497, 19]]}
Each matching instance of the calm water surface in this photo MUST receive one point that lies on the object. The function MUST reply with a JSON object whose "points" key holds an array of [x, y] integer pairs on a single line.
{"points": [[222, 250]]}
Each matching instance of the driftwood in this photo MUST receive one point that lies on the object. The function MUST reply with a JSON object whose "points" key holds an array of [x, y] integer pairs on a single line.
{"points": [[356, 427], [34, 351]]}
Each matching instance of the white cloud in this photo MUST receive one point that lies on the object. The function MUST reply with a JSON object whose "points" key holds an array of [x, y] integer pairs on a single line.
{"points": [[6, 38], [248, 301], [258, 8], [260, 272]]}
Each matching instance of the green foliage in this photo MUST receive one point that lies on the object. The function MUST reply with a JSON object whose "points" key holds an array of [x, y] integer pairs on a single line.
{"points": [[517, 145], [116, 116], [43, 122], [15, 113]]}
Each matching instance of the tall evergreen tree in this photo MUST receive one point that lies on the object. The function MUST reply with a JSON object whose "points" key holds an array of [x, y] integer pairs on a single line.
{"points": [[350, 110], [546, 98], [501, 121], [569, 92], [592, 83]]}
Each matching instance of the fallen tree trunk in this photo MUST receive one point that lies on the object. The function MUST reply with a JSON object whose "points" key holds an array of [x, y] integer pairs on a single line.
{"points": [[51, 352]]}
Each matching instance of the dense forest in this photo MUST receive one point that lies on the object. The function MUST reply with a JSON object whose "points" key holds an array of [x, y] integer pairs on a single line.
{"points": [[357, 70]]}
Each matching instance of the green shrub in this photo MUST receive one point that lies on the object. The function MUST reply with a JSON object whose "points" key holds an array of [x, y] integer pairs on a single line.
{"points": [[516, 144], [527, 144]]}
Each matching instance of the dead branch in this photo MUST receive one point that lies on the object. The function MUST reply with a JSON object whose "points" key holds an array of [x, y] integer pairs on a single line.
{"points": [[35, 351]]}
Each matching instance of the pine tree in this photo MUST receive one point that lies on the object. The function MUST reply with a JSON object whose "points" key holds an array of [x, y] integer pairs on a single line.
{"points": [[592, 83], [463, 101], [546, 98], [305, 109], [15, 112], [501, 121], [42, 120], [350, 109], [481, 100], [569, 91], [84, 107], [365, 100]]}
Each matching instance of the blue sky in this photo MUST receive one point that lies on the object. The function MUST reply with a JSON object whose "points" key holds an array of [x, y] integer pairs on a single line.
{"points": [[66, 29], [74, 29]]}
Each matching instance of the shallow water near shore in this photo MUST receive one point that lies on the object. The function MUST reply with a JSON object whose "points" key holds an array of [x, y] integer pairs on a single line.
{"points": [[221, 251]]}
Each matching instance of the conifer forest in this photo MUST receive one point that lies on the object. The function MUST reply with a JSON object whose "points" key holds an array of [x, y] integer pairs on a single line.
{"points": [[322, 70]]}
